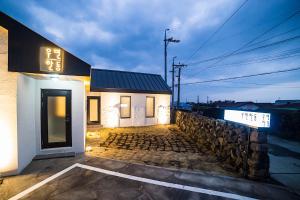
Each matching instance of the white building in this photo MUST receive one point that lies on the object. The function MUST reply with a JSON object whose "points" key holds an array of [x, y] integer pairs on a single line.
{"points": [[43, 92], [127, 99]]}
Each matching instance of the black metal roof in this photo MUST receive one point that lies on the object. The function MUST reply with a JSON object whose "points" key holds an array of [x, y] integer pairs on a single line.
{"points": [[24, 46], [129, 82]]}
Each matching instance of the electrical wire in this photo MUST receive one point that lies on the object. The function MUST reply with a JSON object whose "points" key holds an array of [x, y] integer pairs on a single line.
{"points": [[261, 60], [244, 76], [275, 36], [257, 37], [246, 51], [218, 30]]}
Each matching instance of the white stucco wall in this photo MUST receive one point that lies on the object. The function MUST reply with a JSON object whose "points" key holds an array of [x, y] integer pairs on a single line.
{"points": [[26, 120], [78, 114], [110, 109], [20, 120], [8, 111]]}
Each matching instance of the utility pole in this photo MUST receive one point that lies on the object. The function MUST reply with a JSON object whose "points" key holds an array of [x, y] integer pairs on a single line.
{"points": [[198, 99], [167, 41], [173, 73], [179, 66]]}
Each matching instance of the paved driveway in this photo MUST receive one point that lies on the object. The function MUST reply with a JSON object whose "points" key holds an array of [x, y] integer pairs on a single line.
{"points": [[83, 177]]}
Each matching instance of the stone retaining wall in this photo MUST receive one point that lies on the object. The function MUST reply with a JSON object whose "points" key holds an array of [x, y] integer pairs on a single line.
{"points": [[229, 142]]}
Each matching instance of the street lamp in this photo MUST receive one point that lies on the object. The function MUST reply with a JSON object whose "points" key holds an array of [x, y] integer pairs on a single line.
{"points": [[167, 41]]}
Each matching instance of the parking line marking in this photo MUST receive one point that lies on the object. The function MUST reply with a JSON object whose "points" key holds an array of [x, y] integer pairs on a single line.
{"points": [[135, 178], [40, 184]]}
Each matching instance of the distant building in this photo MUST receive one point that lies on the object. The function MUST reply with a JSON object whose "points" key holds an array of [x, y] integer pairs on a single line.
{"points": [[184, 106], [237, 105], [285, 102]]}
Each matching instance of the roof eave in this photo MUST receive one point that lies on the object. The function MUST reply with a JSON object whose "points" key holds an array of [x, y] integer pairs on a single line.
{"points": [[124, 90]]}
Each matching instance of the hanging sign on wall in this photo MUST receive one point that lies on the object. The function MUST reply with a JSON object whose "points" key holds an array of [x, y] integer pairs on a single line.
{"points": [[51, 59]]}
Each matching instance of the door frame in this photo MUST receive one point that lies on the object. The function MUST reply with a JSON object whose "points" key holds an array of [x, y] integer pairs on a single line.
{"points": [[44, 117], [98, 98]]}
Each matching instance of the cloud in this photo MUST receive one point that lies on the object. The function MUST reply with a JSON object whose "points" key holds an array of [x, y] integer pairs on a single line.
{"points": [[65, 29], [104, 63], [200, 15]]}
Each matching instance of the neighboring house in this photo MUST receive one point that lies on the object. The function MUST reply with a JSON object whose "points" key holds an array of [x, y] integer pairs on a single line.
{"points": [[43, 92], [127, 99]]}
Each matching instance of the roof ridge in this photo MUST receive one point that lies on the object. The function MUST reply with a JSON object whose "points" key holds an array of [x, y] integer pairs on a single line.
{"points": [[125, 71]]}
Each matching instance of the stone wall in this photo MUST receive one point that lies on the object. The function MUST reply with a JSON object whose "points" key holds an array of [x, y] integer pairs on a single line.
{"points": [[229, 142]]}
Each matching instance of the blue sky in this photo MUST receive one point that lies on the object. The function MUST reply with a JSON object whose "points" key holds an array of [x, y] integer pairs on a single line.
{"points": [[128, 35]]}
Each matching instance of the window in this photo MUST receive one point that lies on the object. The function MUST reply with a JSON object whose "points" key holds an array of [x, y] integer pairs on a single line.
{"points": [[150, 106], [125, 108], [93, 109]]}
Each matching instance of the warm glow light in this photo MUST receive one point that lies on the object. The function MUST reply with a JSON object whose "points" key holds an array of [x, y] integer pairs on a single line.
{"points": [[163, 114], [88, 148], [51, 59], [54, 77], [112, 112], [60, 106], [7, 146], [86, 82]]}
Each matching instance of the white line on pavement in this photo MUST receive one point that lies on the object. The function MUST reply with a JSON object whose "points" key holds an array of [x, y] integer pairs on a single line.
{"points": [[40, 184], [135, 178]]}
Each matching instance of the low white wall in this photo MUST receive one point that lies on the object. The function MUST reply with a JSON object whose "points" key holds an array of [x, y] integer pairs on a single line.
{"points": [[26, 121], [110, 109], [78, 114]]}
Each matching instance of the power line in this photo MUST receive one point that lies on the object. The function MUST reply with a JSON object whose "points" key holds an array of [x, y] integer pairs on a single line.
{"points": [[249, 29], [216, 31], [277, 35], [250, 83], [259, 36], [246, 51], [275, 86], [244, 76], [261, 60]]}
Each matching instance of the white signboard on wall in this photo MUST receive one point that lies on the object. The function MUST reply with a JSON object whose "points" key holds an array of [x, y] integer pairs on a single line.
{"points": [[256, 119]]}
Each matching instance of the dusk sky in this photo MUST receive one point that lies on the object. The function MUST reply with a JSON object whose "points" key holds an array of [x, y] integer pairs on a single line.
{"points": [[128, 35]]}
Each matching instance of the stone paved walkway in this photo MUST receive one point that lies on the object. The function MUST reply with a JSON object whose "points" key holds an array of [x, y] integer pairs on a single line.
{"points": [[164, 146], [175, 141]]}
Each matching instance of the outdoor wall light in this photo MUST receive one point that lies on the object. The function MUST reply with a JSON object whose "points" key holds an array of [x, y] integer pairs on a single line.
{"points": [[54, 77], [86, 82], [88, 148]]}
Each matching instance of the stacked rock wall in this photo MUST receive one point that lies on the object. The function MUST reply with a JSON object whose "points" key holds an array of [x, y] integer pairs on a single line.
{"points": [[238, 147]]}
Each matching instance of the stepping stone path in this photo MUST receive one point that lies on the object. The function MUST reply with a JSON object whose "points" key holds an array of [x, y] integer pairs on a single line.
{"points": [[175, 142]]}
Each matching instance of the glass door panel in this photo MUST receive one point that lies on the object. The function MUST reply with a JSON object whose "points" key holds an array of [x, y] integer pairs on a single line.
{"points": [[56, 118]]}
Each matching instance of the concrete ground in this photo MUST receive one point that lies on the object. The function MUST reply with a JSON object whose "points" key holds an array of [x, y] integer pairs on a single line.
{"points": [[93, 182], [164, 146], [285, 162]]}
